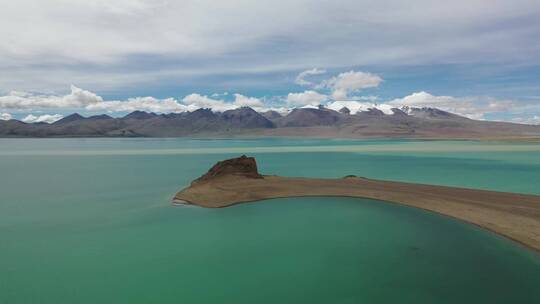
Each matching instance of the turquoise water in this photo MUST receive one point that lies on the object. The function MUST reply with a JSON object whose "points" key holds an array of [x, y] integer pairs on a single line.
{"points": [[90, 221]]}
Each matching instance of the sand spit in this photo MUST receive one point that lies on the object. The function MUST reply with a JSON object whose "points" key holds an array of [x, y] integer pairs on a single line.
{"points": [[515, 216]]}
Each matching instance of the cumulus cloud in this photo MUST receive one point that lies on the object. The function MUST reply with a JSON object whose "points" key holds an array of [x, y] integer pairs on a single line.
{"points": [[472, 107], [345, 83], [5, 116], [82, 99], [309, 97], [196, 101], [48, 118], [190, 102], [17, 100], [244, 101], [148, 104], [300, 79]]}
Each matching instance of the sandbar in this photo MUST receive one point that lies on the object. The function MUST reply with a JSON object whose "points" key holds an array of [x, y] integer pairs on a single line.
{"points": [[515, 216]]}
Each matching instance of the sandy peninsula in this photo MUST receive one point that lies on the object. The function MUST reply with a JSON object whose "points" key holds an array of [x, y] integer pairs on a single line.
{"points": [[233, 181]]}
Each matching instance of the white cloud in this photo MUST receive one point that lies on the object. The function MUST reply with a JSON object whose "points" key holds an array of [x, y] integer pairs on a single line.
{"points": [[148, 104], [111, 36], [196, 101], [5, 116], [345, 83], [244, 101], [300, 79], [48, 118], [475, 107], [190, 102], [83, 99], [78, 98], [534, 120], [306, 98], [472, 107], [370, 98]]}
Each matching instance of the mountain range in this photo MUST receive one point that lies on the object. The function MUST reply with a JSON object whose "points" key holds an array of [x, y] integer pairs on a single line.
{"points": [[402, 122]]}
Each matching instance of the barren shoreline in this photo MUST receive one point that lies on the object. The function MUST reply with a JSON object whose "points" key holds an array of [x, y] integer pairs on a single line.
{"points": [[515, 216]]}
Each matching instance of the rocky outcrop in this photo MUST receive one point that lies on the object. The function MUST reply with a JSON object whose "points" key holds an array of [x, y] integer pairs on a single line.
{"points": [[241, 166], [345, 110]]}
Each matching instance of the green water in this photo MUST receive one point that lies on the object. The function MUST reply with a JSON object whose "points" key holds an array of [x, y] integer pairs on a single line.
{"points": [[89, 221]]}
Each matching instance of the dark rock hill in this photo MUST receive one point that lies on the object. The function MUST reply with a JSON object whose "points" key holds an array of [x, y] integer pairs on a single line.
{"points": [[243, 166], [345, 110], [99, 117], [246, 117], [139, 115], [68, 119], [306, 117], [271, 115]]}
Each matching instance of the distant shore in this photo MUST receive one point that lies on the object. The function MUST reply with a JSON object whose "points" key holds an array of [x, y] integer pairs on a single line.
{"points": [[295, 133], [515, 216], [321, 122]]}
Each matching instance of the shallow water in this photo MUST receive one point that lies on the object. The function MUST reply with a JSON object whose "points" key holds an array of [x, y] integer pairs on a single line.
{"points": [[90, 221]]}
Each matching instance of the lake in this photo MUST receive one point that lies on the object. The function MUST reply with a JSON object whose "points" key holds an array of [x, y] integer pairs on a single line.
{"points": [[90, 221]]}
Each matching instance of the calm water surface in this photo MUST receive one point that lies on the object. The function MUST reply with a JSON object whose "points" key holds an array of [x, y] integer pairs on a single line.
{"points": [[90, 221]]}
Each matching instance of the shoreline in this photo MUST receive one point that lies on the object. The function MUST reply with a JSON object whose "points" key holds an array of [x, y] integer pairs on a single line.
{"points": [[502, 139], [513, 216], [180, 203]]}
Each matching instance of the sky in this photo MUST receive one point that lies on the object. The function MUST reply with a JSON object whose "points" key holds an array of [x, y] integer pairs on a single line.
{"points": [[478, 58]]}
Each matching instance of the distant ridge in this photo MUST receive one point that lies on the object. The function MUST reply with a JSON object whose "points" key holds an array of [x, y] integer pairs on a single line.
{"points": [[99, 117], [70, 118], [246, 117], [405, 122], [271, 115], [306, 117], [139, 115]]}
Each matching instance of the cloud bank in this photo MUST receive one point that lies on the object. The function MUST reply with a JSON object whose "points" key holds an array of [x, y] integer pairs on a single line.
{"points": [[119, 43], [472, 107], [78, 98], [5, 116], [346, 83], [336, 92], [306, 98], [47, 118]]}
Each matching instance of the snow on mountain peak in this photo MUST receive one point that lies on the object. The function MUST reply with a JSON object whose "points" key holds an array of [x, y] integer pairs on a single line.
{"points": [[356, 106]]}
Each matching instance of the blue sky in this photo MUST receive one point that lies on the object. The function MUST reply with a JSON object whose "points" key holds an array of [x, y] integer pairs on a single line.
{"points": [[478, 58]]}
